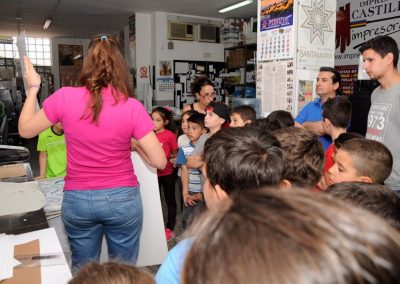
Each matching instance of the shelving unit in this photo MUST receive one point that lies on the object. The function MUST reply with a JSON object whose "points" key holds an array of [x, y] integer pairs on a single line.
{"points": [[240, 62]]}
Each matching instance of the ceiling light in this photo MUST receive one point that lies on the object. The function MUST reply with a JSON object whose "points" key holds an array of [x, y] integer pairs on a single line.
{"points": [[235, 6], [47, 24]]}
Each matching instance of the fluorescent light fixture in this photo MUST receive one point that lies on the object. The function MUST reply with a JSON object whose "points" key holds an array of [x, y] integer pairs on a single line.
{"points": [[47, 24], [235, 6]]}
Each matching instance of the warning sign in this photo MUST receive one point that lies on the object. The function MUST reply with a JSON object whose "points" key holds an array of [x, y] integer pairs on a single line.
{"points": [[143, 72]]}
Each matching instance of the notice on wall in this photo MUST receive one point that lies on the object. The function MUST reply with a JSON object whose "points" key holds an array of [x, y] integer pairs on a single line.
{"points": [[165, 85], [348, 74], [277, 86], [305, 88], [316, 34], [275, 35], [359, 21]]}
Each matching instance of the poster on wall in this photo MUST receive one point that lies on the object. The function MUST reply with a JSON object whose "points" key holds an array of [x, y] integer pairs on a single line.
{"points": [[305, 86], [277, 86], [165, 68], [359, 21], [70, 63], [316, 34], [276, 30], [348, 75]]}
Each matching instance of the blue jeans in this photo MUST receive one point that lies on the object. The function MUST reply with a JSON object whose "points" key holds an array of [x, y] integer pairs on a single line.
{"points": [[116, 213]]}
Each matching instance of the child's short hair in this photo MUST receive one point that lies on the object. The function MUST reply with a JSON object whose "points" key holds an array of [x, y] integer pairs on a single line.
{"points": [[242, 158], [338, 111], [279, 119], [197, 118], [376, 198], [246, 112], [112, 273], [370, 158], [304, 156], [271, 236], [344, 137]]}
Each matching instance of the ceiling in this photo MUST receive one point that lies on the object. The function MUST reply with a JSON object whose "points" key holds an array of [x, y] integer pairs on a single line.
{"points": [[85, 18]]}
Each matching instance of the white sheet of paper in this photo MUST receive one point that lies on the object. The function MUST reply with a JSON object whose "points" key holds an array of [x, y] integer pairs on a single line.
{"points": [[21, 45], [181, 68], [153, 246]]}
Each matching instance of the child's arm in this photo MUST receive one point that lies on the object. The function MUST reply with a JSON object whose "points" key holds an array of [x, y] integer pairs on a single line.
{"points": [[194, 162], [42, 165], [187, 199]]}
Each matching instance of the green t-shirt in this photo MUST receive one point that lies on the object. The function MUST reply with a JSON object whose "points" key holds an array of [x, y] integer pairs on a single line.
{"points": [[54, 146]]}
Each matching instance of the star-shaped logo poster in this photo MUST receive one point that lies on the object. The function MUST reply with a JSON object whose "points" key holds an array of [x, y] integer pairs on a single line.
{"points": [[317, 20]]}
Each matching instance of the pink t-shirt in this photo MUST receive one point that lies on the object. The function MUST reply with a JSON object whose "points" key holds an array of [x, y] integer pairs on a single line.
{"points": [[169, 144], [98, 156]]}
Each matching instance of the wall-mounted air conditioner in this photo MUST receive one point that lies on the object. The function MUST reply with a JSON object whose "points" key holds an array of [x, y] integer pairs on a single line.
{"points": [[180, 31], [208, 33]]}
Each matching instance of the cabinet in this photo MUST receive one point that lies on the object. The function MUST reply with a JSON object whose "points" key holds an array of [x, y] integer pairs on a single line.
{"points": [[240, 64]]}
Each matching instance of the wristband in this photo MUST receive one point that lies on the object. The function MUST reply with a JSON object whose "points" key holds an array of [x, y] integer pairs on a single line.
{"points": [[35, 86]]}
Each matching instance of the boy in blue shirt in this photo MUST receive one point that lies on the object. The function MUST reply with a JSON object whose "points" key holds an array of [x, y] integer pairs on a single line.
{"points": [[192, 186]]}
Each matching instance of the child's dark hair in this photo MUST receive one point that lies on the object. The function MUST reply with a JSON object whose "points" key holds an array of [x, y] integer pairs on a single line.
{"points": [[200, 82], [279, 119], [344, 137], [243, 158], [304, 156], [338, 111], [370, 158], [378, 199], [246, 112], [166, 115], [197, 118], [382, 45]]}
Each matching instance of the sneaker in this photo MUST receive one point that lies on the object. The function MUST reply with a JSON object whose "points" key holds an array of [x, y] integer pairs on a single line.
{"points": [[169, 235]]}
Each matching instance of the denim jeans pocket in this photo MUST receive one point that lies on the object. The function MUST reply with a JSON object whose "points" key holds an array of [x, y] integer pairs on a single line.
{"points": [[68, 208], [125, 205]]}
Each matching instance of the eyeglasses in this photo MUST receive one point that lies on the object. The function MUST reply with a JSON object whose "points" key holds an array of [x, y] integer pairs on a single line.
{"points": [[208, 96]]}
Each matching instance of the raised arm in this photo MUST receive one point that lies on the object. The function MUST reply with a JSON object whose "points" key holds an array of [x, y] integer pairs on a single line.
{"points": [[31, 123]]}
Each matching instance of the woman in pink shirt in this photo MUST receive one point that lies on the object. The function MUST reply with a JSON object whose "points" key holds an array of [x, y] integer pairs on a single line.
{"points": [[101, 193]]}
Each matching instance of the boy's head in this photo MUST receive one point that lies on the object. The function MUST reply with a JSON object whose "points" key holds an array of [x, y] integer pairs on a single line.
{"points": [[334, 242], [361, 160], [184, 120], [217, 114], [279, 119], [304, 156], [337, 113], [195, 126], [112, 272], [242, 115], [239, 159], [376, 198], [384, 46]]}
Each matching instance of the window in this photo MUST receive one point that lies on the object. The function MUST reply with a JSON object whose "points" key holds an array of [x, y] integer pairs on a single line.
{"points": [[38, 50]]}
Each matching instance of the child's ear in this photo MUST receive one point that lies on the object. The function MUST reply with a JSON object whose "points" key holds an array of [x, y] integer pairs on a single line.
{"points": [[285, 185], [204, 130], [220, 193], [247, 121], [166, 122], [366, 179]]}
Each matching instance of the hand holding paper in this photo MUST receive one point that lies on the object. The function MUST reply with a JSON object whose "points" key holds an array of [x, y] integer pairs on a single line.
{"points": [[31, 76]]}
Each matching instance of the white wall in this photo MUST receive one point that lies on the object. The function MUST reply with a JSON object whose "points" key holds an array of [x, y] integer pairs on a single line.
{"points": [[183, 50], [54, 54]]}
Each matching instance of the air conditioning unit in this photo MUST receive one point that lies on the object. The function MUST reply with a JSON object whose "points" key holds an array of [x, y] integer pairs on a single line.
{"points": [[208, 33], [180, 31]]}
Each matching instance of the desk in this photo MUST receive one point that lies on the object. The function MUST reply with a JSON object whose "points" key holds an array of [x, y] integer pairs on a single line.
{"points": [[54, 274]]}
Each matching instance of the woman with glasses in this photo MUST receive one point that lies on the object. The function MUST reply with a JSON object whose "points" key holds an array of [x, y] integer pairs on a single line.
{"points": [[100, 117], [203, 89]]}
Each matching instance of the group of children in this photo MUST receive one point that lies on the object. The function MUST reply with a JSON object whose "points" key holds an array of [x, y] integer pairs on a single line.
{"points": [[264, 177]]}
